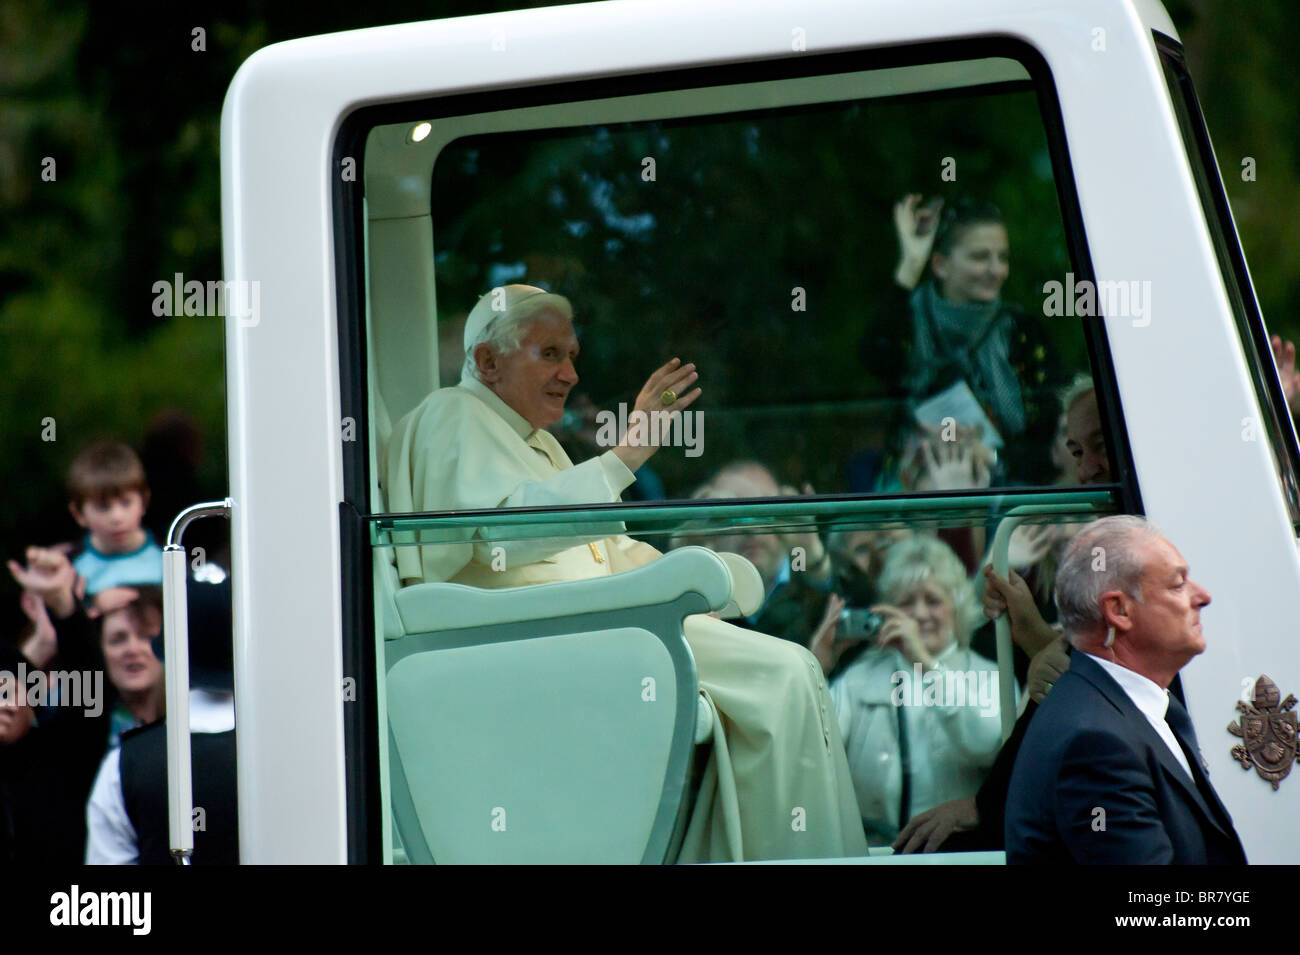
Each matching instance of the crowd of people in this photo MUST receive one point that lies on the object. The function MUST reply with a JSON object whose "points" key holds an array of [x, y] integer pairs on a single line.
{"points": [[932, 611], [890, 616], [908, 761], [886, 629], [880, 613], [83, 684]]}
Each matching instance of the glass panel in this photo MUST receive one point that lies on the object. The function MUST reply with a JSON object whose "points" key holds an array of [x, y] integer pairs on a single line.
{"points": [[872, 393], [652, 522], [1278, 424], [731, 260], [841, 331], [916, 704]]}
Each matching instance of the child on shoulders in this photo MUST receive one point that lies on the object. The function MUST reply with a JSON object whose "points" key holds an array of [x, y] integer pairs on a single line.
{"points": [[107, 495]]}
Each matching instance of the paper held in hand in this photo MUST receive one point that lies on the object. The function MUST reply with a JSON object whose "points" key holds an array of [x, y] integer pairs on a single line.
{"points": [[959, 403]]}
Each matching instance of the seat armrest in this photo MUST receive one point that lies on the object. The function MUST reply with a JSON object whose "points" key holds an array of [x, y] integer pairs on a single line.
{"points": [[427, 608], [747, 590]]}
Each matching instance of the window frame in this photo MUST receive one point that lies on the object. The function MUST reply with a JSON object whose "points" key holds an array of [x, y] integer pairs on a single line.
{"points": [[361, 729], [1238, 288]]}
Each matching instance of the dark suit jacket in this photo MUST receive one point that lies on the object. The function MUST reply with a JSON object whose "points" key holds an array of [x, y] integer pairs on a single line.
{"points": [[1088, 748]]}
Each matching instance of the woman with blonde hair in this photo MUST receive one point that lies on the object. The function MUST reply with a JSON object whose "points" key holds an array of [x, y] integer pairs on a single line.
{"points": [[918, 710]]}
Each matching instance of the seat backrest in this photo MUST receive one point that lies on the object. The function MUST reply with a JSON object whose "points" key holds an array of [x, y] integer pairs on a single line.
{"points": [[550, 723], [551, 750]]}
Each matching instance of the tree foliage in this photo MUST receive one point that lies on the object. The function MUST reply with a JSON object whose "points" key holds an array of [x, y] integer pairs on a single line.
{"points": [[129, 111]]}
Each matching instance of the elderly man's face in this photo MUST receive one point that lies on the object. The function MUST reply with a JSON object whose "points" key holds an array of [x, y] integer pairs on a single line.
{"points": [[1085, 441], [536, 379], [1168, 620], [765, 551]]}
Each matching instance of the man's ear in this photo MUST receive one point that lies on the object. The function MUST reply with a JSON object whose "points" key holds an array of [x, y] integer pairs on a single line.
{"points": [[487, 362], [75, 511], [1115, 609]]}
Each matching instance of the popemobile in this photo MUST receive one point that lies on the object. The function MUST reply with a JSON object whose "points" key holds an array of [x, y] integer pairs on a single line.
{"points": [[376, 182]]}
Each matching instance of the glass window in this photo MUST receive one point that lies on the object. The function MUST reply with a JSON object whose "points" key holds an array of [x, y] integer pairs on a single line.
{"points": [[877, 589], [856, 262], [761, 244], [1278, 425]]}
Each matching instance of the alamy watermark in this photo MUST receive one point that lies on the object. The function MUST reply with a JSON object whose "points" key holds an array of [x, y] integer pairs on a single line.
{"points": [[656, 429], [239, 299], [1086, 299], [946, 688], [131, 909], [38, 688]]}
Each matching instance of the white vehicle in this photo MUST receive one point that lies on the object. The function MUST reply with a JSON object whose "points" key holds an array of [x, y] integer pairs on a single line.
{"points": [[387, 724]]}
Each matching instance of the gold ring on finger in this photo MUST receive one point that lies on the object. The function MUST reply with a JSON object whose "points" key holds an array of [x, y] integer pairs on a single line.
{"points": [[668, 397]]}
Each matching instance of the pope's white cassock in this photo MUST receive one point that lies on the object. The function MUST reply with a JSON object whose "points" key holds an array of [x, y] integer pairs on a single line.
{"points": [[776, 746]]}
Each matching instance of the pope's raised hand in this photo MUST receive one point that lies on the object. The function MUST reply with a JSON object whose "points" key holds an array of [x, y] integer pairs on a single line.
{"points": [[667, 390]]}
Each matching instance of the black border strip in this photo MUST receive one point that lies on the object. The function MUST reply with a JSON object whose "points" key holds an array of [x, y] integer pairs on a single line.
{"points": [[361, 705], [361, 739]]}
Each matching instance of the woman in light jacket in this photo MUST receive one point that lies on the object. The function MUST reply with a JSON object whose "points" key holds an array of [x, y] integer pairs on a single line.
{"points": [[918, 711]]}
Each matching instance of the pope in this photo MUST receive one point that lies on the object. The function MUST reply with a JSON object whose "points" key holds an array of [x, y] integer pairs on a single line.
{"points": [[777, 782]]}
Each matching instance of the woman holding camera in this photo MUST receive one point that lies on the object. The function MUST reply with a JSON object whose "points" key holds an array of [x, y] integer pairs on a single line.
{"points": [[918, 710]]}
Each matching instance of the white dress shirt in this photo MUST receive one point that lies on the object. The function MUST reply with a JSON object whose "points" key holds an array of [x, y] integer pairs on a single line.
{"points": [[1152, 701], [110, 837]]}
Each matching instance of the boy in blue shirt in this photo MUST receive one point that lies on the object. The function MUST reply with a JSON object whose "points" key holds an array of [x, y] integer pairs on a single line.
{"points": [[107, 495]]}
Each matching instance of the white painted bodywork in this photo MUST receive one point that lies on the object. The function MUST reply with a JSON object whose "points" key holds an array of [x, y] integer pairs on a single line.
{"points": [[1183, 379]]}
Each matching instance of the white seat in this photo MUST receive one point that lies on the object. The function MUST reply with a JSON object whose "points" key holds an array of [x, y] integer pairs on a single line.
{"points": [[551, 723], [571, 707], [428, 607]]}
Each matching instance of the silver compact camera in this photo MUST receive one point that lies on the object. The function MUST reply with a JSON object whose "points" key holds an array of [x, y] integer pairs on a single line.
{"points": [[859, 624]]}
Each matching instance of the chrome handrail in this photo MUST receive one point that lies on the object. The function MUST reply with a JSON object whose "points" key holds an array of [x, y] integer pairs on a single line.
{"points": [[176, 649], [1002, 625]]}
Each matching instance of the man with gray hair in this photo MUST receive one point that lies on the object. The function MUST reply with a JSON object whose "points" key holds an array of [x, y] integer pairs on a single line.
{"points": [[1109, 771], [484, 444]]}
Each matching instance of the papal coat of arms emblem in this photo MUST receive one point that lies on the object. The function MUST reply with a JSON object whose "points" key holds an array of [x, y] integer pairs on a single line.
{"points": [[1268, 730]]}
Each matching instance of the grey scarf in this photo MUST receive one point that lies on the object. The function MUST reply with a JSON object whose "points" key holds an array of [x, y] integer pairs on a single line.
{"points": [[970, 342]]}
